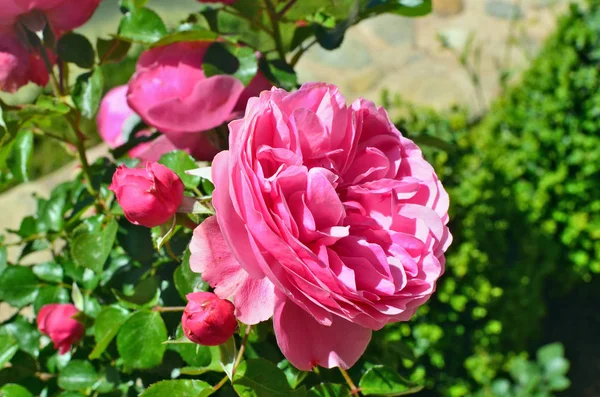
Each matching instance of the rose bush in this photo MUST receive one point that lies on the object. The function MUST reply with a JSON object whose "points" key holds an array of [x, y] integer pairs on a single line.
{"points": [[321, 216]]}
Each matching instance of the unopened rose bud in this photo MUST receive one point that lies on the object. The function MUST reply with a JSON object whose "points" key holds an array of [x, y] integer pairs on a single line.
{"points": [[149, 196], [208, 320], [56, 321]]}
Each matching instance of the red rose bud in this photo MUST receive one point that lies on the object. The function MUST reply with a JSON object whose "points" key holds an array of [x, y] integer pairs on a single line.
{"points": [[208, 320], [149, 196], [56, 321]]}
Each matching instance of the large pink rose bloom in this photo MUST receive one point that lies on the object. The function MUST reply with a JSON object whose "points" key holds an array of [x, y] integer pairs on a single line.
{"points": [[171, 93], [327, 219]]}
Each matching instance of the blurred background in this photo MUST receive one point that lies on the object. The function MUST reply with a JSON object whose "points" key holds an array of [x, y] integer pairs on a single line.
{"points": [[503, 95]]}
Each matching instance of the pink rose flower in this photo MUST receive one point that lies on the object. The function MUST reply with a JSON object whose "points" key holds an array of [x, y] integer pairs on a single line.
{"points": [[63, 15], [56, 321], [19, 66], [327, 219], [171, 93], [114, 112], [149, 196], [208, 320]]}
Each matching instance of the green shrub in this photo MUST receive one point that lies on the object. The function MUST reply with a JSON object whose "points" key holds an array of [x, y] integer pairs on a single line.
{"points": [[525, 209]]}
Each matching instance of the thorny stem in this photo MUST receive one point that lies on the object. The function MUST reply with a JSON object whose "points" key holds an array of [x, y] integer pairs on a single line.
{"points": [[170, 252], [286, 8], [108, 53], [301, 52], [220, 384], [242, 348], [254, 21], [353, 389], [53, 81], [276, 31]]}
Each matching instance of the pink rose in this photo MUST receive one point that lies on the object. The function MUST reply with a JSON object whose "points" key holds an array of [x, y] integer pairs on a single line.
{"points": [[171, 93], [63, 15], [149, 196], [114, 112], [19, 66], [208, 320], [327, 219], [56, 321]]}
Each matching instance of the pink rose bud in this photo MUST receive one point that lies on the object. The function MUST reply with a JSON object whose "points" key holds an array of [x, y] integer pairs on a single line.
{"points": [[56, 321], [208, 320], [149, 196], [18, 66]]}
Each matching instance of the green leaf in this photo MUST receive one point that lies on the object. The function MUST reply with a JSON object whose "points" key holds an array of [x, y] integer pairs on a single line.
{"points": [[50, 294], [8, 348], [202, 358], [382, 381], [92, 242], [87, 93], [77, 49], [77, 297], [108, 322], [558, 383], [51, 211], [179, 161], [140, 340], [186, 281], [280, 72], [262, 378], [18, 158], [132, 4], [49, 271], [113, 50], [187, 35], [179, 388], [143, 25], [551, 357], [70, 394], [146, 293], [228, 355], [18, 286], [3, 128], [293, 375], [25, 333], [77, 375], [3, 256], [14, 390], [329, 390], [226, 58]]}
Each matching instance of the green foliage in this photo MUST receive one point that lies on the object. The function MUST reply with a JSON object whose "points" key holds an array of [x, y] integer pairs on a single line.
{"points": [[539, 378], [524, 191]]}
